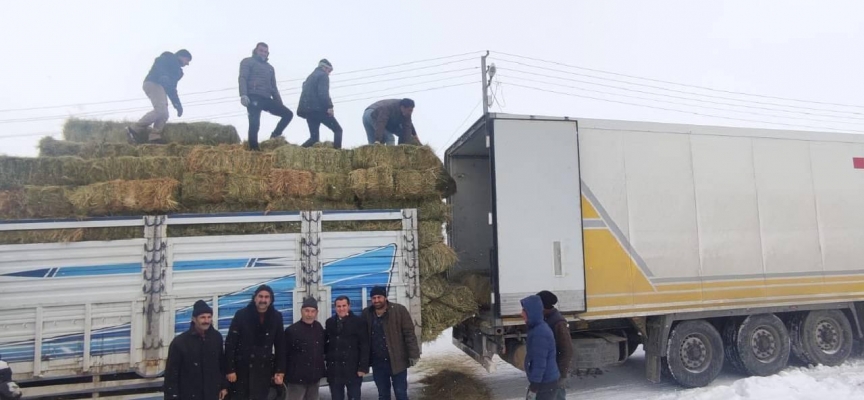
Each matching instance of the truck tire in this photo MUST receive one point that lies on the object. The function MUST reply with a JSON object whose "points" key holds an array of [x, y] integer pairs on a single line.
{"points": [[821, 337], [757, 345], [694, 353]]}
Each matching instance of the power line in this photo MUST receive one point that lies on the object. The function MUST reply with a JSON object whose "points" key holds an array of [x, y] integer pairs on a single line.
{"points": [[683, 111], [683, 91], [681, 84], [674, 102], [458, 127]]}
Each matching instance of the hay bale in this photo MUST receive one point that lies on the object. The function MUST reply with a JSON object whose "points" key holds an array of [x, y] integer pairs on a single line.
{"points": [[82, 130], [395, 157], [333, 187], [436, 259], [272, 144], [417, 184], [315, 159], [437, 317], [203, 188], [130, 168], [292, 183], [60, 171], [46, 202], [433, 286], [429, 210], [247, 189], [118, 197], [373, 183], [480, 285], [70, 235], [308, 205], [459, 298], [50, 147], [431, 233], [449, 383], [229, 160]]}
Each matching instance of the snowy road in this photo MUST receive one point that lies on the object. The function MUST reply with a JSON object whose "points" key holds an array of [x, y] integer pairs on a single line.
{"points": [[628, 381]]}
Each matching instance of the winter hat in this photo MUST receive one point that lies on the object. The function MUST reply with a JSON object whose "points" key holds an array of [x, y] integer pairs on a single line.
{"points": [[201, 307], [378, 291], [325, 63], [184, 53], [549, 299], [268, 289], [310, 302]]}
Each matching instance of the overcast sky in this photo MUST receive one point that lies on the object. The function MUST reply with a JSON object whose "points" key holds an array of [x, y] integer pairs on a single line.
{"points": [[76, 52]]}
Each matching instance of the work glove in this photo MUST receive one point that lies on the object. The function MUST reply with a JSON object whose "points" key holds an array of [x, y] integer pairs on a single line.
{"points": [[179, 108], [244, 100]]}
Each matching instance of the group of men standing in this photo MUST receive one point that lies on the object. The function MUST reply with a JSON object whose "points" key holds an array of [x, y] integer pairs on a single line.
{"points": [[384, 121], [259, 356]]}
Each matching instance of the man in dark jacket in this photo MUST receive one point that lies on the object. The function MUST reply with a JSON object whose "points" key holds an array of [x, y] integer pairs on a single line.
{"points": [[540, 361], [304, 341], [253, 338], [393, 344], [563, 341], [388, 118], [347, 351], [195, 366], [317, 107], [258, 92], [160, 84]]}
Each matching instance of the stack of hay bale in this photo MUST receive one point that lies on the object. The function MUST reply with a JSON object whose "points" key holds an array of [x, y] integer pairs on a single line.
{"points": [[93, 173]]}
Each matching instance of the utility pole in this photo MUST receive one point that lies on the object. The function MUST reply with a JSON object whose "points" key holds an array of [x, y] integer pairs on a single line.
{"points": [[485, 84]]}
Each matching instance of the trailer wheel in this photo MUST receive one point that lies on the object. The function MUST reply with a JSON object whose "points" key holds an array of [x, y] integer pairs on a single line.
{"points": [[757, 345], [821, 337], [695, 353]]}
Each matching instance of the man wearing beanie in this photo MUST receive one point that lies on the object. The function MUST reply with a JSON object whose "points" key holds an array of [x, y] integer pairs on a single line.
{"points": [[258, 92], [255, 348], [563, 341], [304, 341], [195, 366], [317, 107], [393, 347], [160, 85]]}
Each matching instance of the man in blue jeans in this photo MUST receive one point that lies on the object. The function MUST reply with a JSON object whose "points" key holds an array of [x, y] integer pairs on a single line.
{"points": [[393, 347], [386, 120]]}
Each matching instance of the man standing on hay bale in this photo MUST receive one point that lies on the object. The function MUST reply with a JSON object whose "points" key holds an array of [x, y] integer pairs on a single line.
{"points": [[195, 366], [304, 343], [317, 107], [393, 347], [160, 84], [540, 361], [563, 341], [388, 118], [253, 338], [347, 351], [258, 92]]}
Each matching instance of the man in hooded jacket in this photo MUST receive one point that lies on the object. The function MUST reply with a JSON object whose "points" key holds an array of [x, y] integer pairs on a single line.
{"points": [[258, 92], [563, 341], [195, 366], [540, 360], [316, 106], [253, 338]]}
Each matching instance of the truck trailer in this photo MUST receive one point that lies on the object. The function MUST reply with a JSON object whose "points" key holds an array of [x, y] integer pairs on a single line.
{"points": [[706, 245]]}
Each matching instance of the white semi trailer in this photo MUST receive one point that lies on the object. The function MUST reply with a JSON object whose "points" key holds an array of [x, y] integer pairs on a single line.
{"points": [[705, 244]]}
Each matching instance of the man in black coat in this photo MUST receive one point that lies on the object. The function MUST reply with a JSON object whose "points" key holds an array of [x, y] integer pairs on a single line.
{"points": [[317, 107], [347, 351], [195, 368], [253, 338], [304, 341]]}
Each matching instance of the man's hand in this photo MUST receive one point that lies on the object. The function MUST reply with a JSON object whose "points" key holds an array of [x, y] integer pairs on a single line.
{"points": [[412, 362], [244, 100], [330, 112], [223, 393], [277, 379], [361, 374], [179, 108], [232, 377], [530, 395]]}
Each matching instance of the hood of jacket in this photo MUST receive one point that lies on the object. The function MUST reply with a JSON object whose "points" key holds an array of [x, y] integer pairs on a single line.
{"points": [[534, 308]]}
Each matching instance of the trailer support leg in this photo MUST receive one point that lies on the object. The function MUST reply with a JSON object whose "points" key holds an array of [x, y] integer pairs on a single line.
{"points": [[655, 346]]}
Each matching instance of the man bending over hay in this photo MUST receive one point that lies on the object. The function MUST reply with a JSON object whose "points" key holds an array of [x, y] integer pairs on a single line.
{"points": [[387, 119], [160, 84]]}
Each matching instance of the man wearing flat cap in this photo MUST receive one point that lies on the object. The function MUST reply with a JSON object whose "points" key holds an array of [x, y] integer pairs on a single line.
{"points": [[195, 367], [563, 340], [304, 342], [255, 348], [393, 347]]}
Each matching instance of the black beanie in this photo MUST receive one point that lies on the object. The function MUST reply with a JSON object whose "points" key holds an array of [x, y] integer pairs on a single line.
{"points": [[549, 299], [310, 302], [378, 291], [201, 307], [268, 289], [184, 53]]}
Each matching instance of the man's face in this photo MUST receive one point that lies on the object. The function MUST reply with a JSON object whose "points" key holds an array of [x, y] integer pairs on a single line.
{"points": [[524, 316], [203, 322], [309, 314], [262, 52], [342, 308], [263, 301], [379, 301], [328, 70], [184, 61], [407, 111]]}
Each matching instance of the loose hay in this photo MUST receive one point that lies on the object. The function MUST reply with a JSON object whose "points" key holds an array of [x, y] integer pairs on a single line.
{"points": [[449, 383], [438, 317], [396, 157], [70, 235], [436, 259], [315, 159], [81, 130], [292, 183], [247, 189], [229, 159], [117, 197]]}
